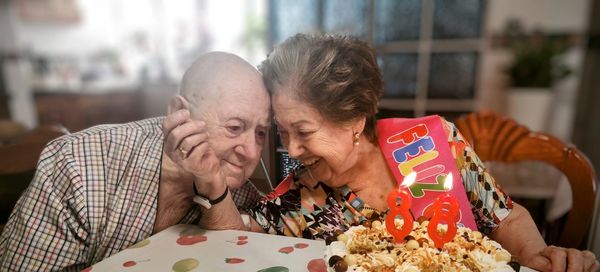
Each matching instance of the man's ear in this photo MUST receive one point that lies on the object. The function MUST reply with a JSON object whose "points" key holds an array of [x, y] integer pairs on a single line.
{"points": [[176, 103]]}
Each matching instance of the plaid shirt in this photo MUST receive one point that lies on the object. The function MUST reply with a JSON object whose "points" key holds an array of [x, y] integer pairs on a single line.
{"points": [[94, 194]]}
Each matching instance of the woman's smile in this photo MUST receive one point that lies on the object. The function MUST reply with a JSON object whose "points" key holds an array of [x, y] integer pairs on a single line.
{"points": [[310, 162]]}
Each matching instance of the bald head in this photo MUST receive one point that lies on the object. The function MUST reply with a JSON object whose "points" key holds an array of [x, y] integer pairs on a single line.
{"points": [[228, 95], [217, 72]]}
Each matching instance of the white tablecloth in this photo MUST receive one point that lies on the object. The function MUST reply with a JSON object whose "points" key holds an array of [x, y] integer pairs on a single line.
{"points": [[184, 248]]}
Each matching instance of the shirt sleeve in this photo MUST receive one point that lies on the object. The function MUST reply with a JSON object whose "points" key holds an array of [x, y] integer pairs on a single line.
{"points": [[490, 205], [246, 196], [46, 230]]}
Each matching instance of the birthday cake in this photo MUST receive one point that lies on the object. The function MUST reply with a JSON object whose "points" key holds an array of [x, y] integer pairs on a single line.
{"points": [[369, 247]]}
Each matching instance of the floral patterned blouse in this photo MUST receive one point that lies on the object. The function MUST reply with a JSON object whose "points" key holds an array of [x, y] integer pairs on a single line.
{"points": [[295, 209]]}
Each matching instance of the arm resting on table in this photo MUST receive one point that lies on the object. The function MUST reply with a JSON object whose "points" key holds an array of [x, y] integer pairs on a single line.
{"points": [[518, 234]]}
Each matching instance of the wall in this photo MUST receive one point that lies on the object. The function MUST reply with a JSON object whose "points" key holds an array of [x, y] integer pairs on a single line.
{"points": [[7, 43], [154, 40], [587, 127], [94, 31], [14, 69], [555, 16]]}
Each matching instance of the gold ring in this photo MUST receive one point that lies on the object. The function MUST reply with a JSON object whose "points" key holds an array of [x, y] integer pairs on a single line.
{"points": [[183, 151]]}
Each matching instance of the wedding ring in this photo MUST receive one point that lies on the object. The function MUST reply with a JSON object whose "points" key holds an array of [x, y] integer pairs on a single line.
{"points": [[183, 152]]}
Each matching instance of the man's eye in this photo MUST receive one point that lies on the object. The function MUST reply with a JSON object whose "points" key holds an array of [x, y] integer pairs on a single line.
{"points": [[234, 129], [261, 134]]}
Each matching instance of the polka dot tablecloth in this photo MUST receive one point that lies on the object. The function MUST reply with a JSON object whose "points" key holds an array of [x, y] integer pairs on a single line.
{"points": [[183, 248]]}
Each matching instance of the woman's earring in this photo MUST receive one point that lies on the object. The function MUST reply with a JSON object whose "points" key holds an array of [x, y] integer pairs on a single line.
{"points": [[356, 136]]}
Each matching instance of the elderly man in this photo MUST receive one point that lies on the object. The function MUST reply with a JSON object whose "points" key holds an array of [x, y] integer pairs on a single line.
{"points": [[98, 191]]}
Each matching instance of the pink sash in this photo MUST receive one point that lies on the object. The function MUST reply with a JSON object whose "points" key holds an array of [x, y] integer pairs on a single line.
{"points": [[421, 145]]}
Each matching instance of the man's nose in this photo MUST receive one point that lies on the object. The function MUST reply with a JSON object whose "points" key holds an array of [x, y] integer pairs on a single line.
{"points": [[249, 148]]}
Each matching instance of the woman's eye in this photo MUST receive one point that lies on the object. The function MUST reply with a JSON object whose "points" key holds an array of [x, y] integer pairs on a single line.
{"points": [[261, 134], [305, 133]]}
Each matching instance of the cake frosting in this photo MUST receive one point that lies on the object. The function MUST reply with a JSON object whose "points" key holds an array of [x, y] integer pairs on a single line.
{"points": [[370, 247]]}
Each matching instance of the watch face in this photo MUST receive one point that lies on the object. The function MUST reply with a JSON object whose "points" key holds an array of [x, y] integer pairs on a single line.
{"points": [[207, 203], [202, 201]]}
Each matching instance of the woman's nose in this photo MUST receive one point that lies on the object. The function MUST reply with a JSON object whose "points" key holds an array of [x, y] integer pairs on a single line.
{"points": [[295, 148]]}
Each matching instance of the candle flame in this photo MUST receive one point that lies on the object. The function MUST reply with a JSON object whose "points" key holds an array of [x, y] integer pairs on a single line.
{"points": [[448, 182], [409, 179]]}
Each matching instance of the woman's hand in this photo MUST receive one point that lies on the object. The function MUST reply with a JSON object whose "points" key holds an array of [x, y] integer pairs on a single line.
{"points": [[518, 234], [554, 258]]}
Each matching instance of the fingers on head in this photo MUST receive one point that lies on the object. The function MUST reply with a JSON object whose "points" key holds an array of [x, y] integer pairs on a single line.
{"points": [[196, 154], [185, 130], [176, 103], [201, 149], [189, 128], [175, 119], [190, 142]]}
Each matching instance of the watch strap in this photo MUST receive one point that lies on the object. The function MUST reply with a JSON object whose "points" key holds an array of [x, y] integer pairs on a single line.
{"points": [[208, 203]]}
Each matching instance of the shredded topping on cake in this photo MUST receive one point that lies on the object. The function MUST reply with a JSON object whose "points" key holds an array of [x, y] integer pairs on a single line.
{"points": [[372, 248]]}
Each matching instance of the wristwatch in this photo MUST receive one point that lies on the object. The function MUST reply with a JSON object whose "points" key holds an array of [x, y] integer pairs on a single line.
{"points": [[205, 202]]}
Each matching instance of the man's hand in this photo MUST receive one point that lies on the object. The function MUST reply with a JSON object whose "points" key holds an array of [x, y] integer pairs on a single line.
{"points": [[186, 144], [554, 258]]}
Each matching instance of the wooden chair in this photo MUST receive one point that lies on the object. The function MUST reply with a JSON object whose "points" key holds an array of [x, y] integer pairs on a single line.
{"points": [[18, 161], [500, 139]]}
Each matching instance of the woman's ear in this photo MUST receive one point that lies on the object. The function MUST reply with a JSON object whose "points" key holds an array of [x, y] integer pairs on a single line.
{"points": [[359, 126], [176, 103]]}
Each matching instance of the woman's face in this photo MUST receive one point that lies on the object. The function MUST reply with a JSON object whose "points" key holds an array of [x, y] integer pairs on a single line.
{"points": [[325, 148]]}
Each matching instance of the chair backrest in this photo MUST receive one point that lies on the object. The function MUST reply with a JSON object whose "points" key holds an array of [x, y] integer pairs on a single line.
{"points": [[501, 139], [18, 161]]}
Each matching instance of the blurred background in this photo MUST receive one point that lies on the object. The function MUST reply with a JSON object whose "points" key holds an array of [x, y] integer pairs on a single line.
{"points": [[79, 63]]}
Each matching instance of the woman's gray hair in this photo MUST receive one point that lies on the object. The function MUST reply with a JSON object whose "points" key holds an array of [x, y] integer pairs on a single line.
{"points": [[337, 75]]}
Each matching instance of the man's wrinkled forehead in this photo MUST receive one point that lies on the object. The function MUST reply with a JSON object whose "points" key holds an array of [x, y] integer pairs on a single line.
{"points": [[247, 111], [229, 106], [236, 93]]}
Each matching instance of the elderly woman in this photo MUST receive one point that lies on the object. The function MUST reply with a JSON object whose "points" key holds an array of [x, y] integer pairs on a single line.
{"points": [[325, 92]]}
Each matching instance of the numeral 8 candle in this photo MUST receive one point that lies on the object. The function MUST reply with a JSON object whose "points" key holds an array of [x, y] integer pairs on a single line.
{"points": [[402, 209], [445, 209]]}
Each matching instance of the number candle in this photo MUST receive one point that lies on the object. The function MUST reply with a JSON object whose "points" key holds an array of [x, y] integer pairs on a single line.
{"points": [[402, 209], [445, 209]]}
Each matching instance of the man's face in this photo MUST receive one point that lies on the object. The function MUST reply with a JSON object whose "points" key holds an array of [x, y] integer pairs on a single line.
{"points": [[237, 122]]}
